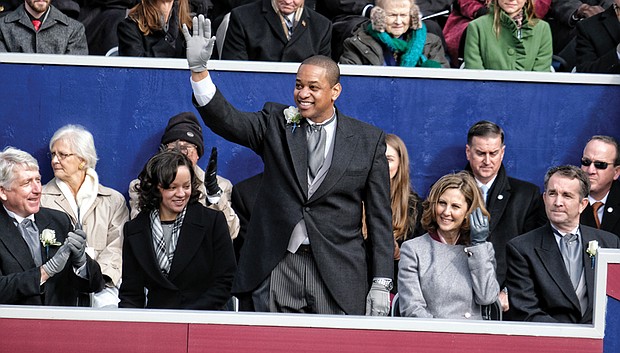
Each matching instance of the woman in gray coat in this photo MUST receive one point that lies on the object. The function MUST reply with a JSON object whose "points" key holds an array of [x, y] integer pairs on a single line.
{"points": [[450, 271]]}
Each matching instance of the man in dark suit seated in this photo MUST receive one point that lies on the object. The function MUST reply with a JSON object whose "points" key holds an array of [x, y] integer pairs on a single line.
{"points": [[276, 30], [515, 205], [598, 42], [601, 162], [42, 261], [306, 252], [550, 274]]}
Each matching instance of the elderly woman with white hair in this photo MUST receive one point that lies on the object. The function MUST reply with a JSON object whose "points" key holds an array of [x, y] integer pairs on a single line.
{"points": [[394, 36], [100, 211]]}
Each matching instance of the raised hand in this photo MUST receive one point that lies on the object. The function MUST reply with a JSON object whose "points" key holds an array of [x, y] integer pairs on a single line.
{"points": [[199, 44], [478, 227], [213, 189]]}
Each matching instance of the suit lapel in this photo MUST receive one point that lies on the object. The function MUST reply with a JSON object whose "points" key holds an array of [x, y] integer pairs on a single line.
{"points": [[610, 22], [190, 237], [274, 22], [299, 29], [345, 142], [551, 258], [498, 199], [13, 241], [298, 148], [611, 213], [588, 235]]}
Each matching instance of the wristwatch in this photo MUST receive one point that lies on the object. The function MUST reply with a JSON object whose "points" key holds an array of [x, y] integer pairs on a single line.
{"points": [[386, 282]]}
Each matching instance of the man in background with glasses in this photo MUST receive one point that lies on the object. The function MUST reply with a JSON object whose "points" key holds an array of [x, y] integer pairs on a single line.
{"points": [[602, 164], [184, 133]]}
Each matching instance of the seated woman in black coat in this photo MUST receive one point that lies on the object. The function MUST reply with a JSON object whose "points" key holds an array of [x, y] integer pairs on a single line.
{"points": [[153, 28], [176, 249]]}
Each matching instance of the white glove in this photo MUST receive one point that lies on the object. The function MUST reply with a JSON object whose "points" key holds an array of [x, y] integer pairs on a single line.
{"points": [[378, 300], [200, 44]]}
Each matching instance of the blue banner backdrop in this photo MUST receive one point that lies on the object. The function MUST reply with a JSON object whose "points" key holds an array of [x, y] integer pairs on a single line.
{"points": [[126, 109]]}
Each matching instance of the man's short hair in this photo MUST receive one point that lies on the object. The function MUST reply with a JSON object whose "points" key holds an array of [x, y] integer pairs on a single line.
{"points": [[570, 172], [10, 158], [331, 67], [485, 128], [610, 140]]}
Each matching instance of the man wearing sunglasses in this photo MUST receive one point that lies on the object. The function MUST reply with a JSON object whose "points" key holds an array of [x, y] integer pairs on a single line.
{"points": [[602, 164]]}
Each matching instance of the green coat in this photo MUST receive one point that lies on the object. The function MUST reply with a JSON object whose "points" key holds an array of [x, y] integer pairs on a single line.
{"points": [[484, 50]]}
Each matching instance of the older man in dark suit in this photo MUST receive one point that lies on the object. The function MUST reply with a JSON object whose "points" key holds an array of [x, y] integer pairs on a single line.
{"points": [[276, 30], [42, 261], [306, 252], [515, 205], [550, 274], [598, 42], [601, 161]]}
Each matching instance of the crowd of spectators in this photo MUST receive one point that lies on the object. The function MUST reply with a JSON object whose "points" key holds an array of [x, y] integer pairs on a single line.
{"points": [[518, 35]]}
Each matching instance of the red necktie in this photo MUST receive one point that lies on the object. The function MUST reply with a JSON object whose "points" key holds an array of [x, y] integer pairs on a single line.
{"points": [[36, 24], [595, 207]]}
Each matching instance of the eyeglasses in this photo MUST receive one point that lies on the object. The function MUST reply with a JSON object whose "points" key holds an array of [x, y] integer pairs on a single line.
{"points": [[597, 164], [61, 156], [183, 148]]}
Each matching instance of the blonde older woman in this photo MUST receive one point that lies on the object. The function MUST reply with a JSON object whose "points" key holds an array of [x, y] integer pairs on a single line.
{"points": [[99, 210], [450, 271], [395, 36]]}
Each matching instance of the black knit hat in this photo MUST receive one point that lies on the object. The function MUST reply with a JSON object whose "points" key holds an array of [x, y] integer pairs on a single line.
{"points": [[184, 127]]}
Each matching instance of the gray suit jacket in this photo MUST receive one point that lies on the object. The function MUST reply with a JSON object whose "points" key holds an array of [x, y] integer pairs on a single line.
{"points": [[333, 215], [58, 34], [539, 287]]}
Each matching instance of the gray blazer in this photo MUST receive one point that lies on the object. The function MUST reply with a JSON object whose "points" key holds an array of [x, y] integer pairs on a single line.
{"points": [[441, 281], [58, 34]]}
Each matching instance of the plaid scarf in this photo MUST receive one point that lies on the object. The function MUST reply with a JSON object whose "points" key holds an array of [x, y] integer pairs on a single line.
{"points": [[165, 252]]}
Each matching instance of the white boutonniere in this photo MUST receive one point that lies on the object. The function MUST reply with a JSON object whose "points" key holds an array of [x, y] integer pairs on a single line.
{"points": [[592, 250], [292, 116], [48, 238]]}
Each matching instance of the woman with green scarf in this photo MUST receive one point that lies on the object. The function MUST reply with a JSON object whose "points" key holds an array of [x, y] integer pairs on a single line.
{"points": [[509, 37], [394, 36]]}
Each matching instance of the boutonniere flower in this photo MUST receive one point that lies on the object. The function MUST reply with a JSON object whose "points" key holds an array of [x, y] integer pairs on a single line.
{"points": [[592, 250], [48, 238], [292, 116]]}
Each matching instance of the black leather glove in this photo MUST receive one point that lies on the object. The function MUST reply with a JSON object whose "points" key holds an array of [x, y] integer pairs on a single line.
{"points": [[77, 243], [211, 175], [478, 227]]}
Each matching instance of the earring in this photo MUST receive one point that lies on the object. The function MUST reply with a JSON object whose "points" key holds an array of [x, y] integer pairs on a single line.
{"points": [[82, 165]]}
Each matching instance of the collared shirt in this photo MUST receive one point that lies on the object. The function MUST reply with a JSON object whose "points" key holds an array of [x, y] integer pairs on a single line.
{"points": [[559, 234]]}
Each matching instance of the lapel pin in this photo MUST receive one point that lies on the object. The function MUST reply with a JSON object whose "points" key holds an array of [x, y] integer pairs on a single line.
{"points": [[610, 209], [303, 23], [500, 197]]}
